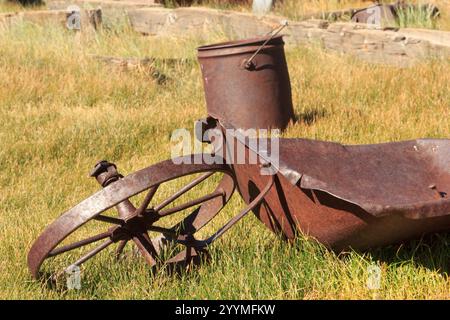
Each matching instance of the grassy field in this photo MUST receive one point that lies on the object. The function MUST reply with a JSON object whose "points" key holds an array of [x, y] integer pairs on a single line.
{"points": [[62, 111]]}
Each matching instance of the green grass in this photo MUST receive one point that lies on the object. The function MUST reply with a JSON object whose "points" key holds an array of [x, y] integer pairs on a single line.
{"points": [[417, 18], [62, 111]]}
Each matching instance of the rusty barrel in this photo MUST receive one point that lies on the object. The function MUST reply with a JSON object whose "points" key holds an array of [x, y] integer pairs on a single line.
{"points": [[247, 94]]}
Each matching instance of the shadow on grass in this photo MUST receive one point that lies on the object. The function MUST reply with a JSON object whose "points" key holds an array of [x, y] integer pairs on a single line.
{"points": [[186, 266], [53, 281], [430, 251], [309, 117]]}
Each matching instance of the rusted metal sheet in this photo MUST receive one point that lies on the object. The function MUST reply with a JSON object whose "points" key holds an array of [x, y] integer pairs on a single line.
{"points": [[410, 178], [360, 196], [257, 95]]}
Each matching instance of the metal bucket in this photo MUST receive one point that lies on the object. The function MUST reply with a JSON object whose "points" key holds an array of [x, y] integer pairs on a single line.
{"points": [[247, 94]]}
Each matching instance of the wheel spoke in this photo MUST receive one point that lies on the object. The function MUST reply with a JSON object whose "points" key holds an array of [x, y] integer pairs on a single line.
{"points": [[235, 219], [91, 254], [120, 248], [78, 244], [111, 220], [183, 190], [191, 203], [147, 200], [145, 246], [162, 230]]}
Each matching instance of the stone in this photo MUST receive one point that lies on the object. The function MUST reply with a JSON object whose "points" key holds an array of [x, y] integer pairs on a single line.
{"points": [[400, 47]]}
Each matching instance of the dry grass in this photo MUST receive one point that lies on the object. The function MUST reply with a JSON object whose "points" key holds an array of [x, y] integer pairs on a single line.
{"points": [[62, 111]]}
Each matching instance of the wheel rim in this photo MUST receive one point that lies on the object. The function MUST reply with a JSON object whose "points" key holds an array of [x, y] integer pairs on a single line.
{"points": [[134, 223]]}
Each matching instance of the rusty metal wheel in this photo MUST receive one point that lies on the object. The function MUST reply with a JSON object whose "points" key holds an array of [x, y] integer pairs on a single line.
{"points": [[133, 224]]}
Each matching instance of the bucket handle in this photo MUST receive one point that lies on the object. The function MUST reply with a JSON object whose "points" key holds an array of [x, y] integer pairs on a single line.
{"points": [[249, 64]]}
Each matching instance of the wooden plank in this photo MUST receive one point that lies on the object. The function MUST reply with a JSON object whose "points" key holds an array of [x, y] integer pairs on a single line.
{"points": [[104, 4], [199, 21], [86, 18]]}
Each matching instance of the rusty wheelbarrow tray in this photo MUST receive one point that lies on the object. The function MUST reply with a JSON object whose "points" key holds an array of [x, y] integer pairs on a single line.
{"points": [[359, 196]]}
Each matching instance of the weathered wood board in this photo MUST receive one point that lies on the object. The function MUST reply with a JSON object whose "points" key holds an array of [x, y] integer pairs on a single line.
{"points": [[113, 11], [106, 5], [87, 18]]}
